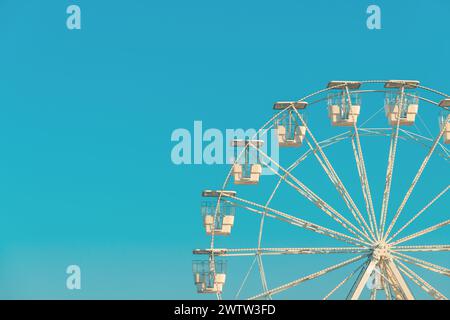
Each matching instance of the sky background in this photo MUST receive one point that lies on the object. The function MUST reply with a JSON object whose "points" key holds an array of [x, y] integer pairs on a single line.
{"points": [[86, 118]]}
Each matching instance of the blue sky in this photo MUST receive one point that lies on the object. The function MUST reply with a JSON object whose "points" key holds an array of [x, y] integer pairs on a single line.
{"points": [[86, 118]]}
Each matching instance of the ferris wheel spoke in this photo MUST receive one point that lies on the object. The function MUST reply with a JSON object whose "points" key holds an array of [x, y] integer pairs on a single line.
{"points": [[280, 180], [346, 135], [276, 214], [323, 144], [425, 286], [365, 188], [261, 225], [340, 284], [424, 142], [292, 167], [315, 199], [390, 166], [415, 180], [420, 212], [234, 252], [262, 274], [430, 248], [362, 132], [244, 281], [361, 222], [334, 178], [306, 278], [321, 204], [423, 264], [359, 157], [422, 232]]}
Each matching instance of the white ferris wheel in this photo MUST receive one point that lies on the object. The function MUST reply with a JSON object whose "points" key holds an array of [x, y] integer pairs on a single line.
{"points": [[376, 240]]}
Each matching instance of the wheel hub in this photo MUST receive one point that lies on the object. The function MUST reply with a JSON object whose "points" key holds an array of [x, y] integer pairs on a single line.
{"points": [[381, 251]]}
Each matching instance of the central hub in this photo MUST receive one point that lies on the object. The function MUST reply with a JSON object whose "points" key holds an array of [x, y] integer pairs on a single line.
{"points": [[381, 251]]}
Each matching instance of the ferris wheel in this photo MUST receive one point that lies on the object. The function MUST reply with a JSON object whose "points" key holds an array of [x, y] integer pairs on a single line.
{"points": [[381, 259]]}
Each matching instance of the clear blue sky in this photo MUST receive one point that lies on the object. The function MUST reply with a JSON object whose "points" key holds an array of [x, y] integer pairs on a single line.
{"points": [[86, 118]]}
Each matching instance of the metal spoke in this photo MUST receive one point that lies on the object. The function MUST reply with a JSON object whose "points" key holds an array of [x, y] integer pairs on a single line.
{"points": [[360, 222], [245, 278], [279, 215], [415, 180], [262, 274], [390, 166], [360, 163], [365, 189], [333, 176], [444, 153], [430, 248], [423, 264], [422, 232], [279, 251], [419, 213], [289, 169], [306, 278], [425, 286], [315, 199], [323, 144]]}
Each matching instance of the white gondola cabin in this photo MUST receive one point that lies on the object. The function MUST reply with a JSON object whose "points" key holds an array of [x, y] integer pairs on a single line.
{"points": [[289, 129], [398, 110], [247, 170], [344, 107], [217, 214], [209, 276], [447, 133], [444, 121], [406, 109]]}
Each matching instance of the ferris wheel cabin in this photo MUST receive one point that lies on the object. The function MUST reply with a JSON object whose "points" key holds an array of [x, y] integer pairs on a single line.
{"points": [[218, 215], [446, 135], [402, 104], [344, 107], [209, 276], [289, 131], [444, 120], [247, 170]]}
